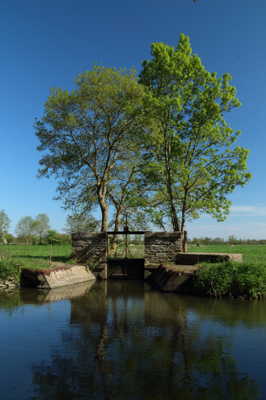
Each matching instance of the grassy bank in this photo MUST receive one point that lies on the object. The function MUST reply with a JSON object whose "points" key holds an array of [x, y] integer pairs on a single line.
{"points": [[246, 279], [252, 254], [34, 256], [231, 279]]}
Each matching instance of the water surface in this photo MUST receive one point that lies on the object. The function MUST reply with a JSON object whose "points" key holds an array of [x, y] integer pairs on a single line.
{"points": [[121, 340]]}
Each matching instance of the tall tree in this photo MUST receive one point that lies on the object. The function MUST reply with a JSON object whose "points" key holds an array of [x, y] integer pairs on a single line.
{"points": [[85, 135], [41, 225], [192, 162], [4, 225], [81, 223], [26, 228]]}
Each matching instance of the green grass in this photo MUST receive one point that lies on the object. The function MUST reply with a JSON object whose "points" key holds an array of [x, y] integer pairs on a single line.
{"points": [[254, 254], [246, 279], [35, 256], [232, 279]]}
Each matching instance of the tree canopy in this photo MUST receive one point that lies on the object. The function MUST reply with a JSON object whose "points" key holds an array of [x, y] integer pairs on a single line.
{"points": [[192, 162], [86, 134], [81, 223], [27, 227], [158, 148], [4, 224]]}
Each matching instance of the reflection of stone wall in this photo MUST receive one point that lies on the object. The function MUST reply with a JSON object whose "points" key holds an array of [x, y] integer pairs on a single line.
{"points": [[161, 247], [91, 248]]}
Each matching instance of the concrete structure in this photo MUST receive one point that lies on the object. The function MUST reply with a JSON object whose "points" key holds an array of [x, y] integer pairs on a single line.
{"points": [[60, 275], [159, 247], [196, 258], [172, 279], [91, 248]]}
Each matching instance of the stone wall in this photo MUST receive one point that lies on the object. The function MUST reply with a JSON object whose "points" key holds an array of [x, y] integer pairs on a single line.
{"points": [[91, 248], [161, 248]]}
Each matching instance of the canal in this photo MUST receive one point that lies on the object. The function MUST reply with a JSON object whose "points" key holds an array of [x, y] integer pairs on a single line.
{"points": [[122, 340]]}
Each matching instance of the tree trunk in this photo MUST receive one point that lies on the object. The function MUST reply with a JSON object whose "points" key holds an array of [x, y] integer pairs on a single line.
{"points": [[104, 208], [114, 240], [174, 218], [117, 218], [105, 214]]}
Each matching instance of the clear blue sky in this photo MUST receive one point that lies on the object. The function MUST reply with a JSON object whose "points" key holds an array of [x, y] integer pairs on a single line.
{"points": [[46, 44]]}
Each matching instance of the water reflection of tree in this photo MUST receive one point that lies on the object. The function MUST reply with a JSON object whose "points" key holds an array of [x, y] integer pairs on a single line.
{"points": [[125, 346]]}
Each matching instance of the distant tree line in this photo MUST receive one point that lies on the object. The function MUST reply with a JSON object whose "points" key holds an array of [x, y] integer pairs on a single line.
{"points": [[37, 230], [231, 240]]}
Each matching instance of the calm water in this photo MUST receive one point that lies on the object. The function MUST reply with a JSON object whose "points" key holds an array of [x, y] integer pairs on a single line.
{"points": [[120, 340]]}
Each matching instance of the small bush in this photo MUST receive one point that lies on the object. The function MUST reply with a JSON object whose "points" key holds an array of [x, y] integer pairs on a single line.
{"points": [[232, 279], [250, 281], [215, 279], [8, 269]]}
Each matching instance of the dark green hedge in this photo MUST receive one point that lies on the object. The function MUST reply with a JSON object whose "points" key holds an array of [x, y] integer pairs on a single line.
{"points": [[232, 279], [8, 269]]}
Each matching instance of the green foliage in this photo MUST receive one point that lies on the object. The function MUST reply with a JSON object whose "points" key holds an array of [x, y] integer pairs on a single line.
{"points": [[53, 237], [25, 229], [87, 134], [9, 269], [232, 279], [81, 223], [192, 163], [41, 225], [4, 225], [250, 280], [10, 238], [159, 149], [215, 279], [31, 230]]}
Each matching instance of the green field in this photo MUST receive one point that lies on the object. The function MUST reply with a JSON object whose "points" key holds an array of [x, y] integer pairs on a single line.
{"points": [[252, 253], [35, 256]]}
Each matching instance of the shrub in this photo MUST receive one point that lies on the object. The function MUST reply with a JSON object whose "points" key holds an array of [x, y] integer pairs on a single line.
{"points": [[237, 280], [250, 281], [8, 269], [215, 279]]}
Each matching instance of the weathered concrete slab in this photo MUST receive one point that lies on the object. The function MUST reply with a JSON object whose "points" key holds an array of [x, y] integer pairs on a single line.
{"points": [[197, 258], [171, 278], [60, 275]]}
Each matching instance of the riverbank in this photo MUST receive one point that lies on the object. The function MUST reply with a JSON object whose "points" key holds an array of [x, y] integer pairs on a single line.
{"points": [[227, 279], [246, 279], [9, 274]]}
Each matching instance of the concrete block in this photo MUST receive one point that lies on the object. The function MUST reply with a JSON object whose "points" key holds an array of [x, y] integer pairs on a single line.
{"points": [[60, 275]]}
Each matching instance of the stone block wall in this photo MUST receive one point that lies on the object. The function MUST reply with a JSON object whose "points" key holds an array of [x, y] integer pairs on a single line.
{"points": [[161, 248], [90, 248]]}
